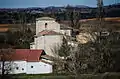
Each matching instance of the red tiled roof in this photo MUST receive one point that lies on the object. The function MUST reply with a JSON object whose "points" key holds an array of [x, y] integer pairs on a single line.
{"points": [[26, 55], [20, 54], [34, 55], [48, 32]]}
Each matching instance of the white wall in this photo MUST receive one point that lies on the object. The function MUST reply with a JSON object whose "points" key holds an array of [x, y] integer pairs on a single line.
{"points": [[38, 68], [66, 32], [51, 25], [18, 67], [32, 46], [48, 43], [15, 67]]}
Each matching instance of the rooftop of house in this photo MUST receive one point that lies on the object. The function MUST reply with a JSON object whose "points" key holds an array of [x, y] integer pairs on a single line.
{"points": [[25, 55], [48, 32]]}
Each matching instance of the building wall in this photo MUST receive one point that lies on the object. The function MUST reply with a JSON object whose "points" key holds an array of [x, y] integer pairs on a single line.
{"points": [[38, 68], [51, 25], [39, 42], [48, 43], [32, 46], [66, 32], [18, 67], [15, 67]]}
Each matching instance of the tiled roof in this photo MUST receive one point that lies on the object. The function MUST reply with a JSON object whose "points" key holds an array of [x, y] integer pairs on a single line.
{"points": [[20, 54], [48, 32], [26, 55], [34, 55]]}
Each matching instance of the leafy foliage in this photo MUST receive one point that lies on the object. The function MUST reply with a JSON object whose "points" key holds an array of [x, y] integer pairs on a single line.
{"points": [[23, 39]]}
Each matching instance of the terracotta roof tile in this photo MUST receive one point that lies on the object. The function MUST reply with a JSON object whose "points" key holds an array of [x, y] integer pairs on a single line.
{"points": [[48, 32], [21, 54], [34, 55], [26, 55]]}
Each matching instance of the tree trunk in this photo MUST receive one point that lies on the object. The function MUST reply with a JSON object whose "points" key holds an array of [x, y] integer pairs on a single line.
{"points": [[3, 70]]}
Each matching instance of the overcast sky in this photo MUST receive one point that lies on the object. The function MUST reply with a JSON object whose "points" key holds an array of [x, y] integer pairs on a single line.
{"points": [[44, 3]]}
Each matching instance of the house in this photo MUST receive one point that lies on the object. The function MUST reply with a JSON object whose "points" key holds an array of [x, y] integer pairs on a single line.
{"points": [[49, 34], [26, 61], [66, 30]]}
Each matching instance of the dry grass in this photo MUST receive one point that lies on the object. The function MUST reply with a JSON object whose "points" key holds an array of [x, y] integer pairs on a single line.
{"points": [[116, 19], [3, 29]]}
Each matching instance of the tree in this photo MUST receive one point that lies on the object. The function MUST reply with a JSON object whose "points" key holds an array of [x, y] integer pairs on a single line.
{"points": [[73, 16], [92, 57], [23, 39], [25, 35], [100, 12], [5, 55], [62, 52]]}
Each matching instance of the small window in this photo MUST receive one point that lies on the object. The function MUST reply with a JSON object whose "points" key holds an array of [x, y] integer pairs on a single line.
{"points": [[46, 25], [31, 66], [17, 68], [22, 68]]}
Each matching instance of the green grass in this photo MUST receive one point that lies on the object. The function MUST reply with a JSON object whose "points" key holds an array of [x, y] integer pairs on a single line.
{"points": [[61, 76]]}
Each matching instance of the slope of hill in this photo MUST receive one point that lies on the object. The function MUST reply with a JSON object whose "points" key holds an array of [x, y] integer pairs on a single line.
{"points": [[9, 15]]}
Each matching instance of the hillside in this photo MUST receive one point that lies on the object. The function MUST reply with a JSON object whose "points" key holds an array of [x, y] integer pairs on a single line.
{"points": [[13, 15]]}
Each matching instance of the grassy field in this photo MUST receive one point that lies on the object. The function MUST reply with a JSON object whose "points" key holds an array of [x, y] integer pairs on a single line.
{"points": [[53, 76], [117, 19]]}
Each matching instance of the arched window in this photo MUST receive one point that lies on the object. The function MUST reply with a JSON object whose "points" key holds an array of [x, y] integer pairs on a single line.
{"points": [[46, 25]]}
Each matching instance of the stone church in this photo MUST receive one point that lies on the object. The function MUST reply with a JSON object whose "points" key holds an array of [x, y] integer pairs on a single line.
{"points": [[49, 34]]}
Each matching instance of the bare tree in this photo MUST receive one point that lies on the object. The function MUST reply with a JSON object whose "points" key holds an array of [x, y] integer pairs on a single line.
{"points": [[92, 57], [5, 55], [74, 16], [100, 10]]}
